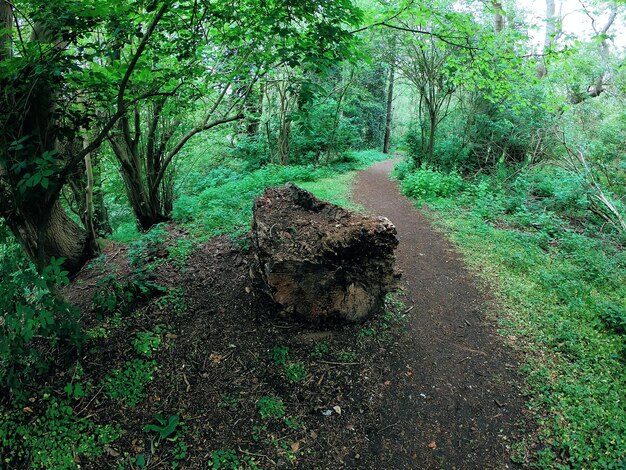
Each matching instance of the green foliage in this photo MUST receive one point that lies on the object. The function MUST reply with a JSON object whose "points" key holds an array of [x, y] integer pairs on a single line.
{"points": [[293, 423], [280, 355], [226, 206], [41, 438], [147, 342], [128, 384], [226, 459], [295, 372], [165, 426], [34, 320], [271, 408], [149, 248], [320, 350], [173, 300], [114, 296], [426, 183], [348, 356], [181, 251]]}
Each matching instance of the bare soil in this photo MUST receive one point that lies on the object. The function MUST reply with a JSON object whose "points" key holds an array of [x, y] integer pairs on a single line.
{"points": [[429, 384]]}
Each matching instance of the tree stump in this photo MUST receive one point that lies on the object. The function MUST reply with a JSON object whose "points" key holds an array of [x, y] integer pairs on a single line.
{"points": [[321, 262]]}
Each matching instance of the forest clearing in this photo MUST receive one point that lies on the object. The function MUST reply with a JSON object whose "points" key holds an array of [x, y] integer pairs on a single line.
{"points": [[313, 234]]}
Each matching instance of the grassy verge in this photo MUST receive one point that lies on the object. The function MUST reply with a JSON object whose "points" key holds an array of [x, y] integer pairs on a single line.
{"points": [[561, 290]]}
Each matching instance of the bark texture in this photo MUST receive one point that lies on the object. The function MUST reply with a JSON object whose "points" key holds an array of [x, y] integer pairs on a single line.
{"points": [[318, 261], [51, 232]]}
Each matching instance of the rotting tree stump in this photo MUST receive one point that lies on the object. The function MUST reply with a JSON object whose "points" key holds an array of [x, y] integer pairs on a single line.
{"points": [[321, 262]]}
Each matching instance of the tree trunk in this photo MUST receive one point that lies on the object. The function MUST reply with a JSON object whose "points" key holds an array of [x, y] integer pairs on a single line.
{"points": [[549, 37], [6, 24], [48, 233], [389, 117], [432, 134], [498, 19], [147, 207]]}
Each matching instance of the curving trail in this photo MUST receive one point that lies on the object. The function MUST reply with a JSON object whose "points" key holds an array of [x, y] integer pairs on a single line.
{"points": [[455, 401]]}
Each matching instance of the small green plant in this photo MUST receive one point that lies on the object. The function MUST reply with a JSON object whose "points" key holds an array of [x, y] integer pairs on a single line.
{"points": [[320, 350], [428, 183], [271, 407], [74, 390], [295, 372], [180, 252], [147, 342], [348, 356], [128, 384], [165, 426], [367, 332], [229, 401], [146, 251], [259, 432], [170, 429], [280, 355], [293, 423], [118, 296], [173, 300], [224, 459]]}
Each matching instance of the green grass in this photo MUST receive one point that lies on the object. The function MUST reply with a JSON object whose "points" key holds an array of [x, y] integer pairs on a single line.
{"points": [[222, 202], [336, 189], [561, 294]]}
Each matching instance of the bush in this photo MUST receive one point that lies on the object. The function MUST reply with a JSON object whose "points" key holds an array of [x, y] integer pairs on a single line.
{"points": [[34, 321], [426, 183]]}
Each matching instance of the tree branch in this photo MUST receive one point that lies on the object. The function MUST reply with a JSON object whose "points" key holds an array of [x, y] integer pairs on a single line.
{"points": [[177, 148]]}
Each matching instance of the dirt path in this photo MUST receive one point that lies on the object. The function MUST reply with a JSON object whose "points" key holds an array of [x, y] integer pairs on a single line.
{"points": [[455, 400]]}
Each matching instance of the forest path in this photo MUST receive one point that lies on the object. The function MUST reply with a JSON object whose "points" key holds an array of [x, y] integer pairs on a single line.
{"points": [[455, 401]]}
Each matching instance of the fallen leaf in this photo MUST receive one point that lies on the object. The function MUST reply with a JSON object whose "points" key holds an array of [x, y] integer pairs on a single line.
{"points": [[432, 445], [215, 358], [350, 427], [387, 382], [295, 446], [28, 409]]}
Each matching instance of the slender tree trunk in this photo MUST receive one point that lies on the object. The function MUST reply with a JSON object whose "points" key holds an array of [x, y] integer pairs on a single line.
{"points": [[6, 24], [549, 37], [389, 116], [89, 206], [498, 19]]}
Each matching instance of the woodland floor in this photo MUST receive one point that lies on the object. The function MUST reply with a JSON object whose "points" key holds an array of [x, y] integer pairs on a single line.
{"points": [[430, 384]]}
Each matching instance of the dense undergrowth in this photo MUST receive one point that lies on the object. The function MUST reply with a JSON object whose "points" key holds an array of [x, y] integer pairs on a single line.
{"points": [[560, 283]]}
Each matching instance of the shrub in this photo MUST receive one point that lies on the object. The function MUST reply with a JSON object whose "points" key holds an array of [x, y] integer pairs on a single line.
{"points": [[427, 183], [34, 321]]}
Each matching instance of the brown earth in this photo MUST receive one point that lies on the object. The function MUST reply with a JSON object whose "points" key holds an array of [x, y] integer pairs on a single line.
{"points": [[426, 385], [459, 402]]}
